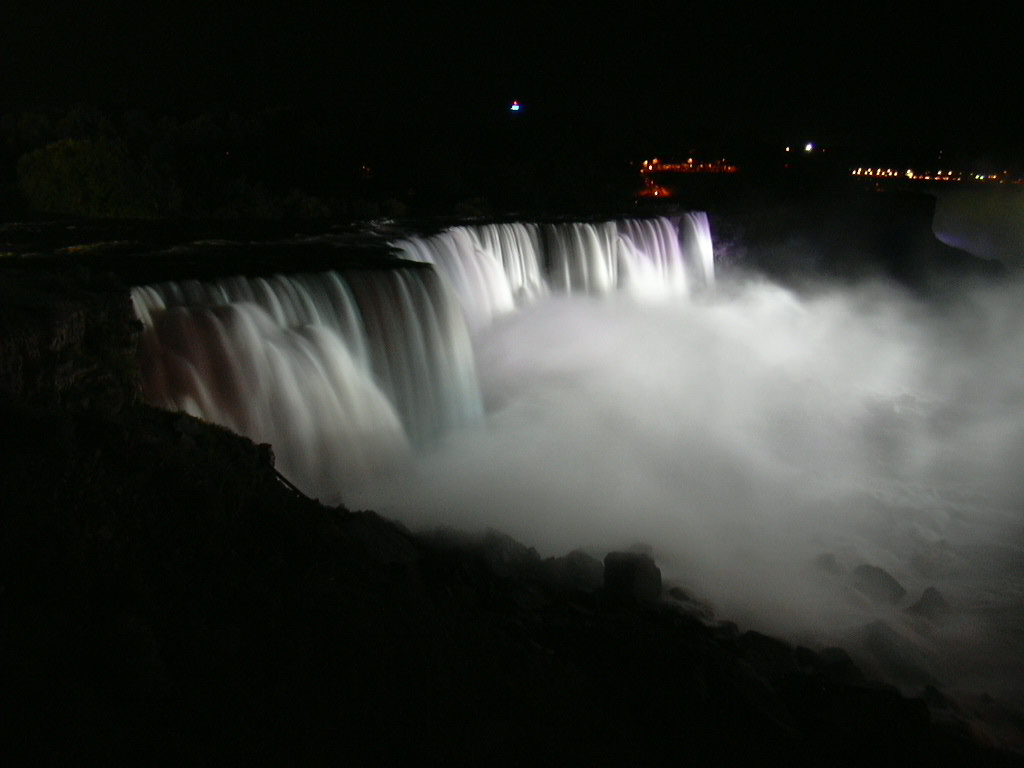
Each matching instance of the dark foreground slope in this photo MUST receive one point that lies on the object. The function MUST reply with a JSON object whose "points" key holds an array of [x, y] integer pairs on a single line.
{"points": [[167, 598]]}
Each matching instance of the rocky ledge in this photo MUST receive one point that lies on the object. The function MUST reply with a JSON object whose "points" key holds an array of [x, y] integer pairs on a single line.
{"points": [[168, 598]]}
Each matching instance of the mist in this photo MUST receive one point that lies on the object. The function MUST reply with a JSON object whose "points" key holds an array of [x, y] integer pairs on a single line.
{"points": [[750, 435], [987, 222]]}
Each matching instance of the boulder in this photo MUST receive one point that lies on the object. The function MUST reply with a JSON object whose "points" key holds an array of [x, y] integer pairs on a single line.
{"points": [[631, 577], [771, 658], [878, 584], [833, 664], [575, 571], [690, 605], [932, 605], [897, 656]]}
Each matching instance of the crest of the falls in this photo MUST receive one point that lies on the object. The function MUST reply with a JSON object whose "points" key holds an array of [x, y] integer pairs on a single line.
{"points": [[489, 267], [493, 268]]}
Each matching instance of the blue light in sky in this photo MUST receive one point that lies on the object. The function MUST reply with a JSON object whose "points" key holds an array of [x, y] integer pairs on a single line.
{"points": [[516, 106]]}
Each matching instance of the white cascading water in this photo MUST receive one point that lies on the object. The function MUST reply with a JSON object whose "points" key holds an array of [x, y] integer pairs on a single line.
{"points": [[346, 374], [495, 268], [342, 373]]}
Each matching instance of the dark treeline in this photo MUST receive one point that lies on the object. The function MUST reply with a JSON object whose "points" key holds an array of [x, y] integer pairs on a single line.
{"points": [[84, 161]]}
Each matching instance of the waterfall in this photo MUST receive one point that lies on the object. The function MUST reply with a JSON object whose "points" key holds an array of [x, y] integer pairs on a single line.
{"points": [[493, 268], [343, 373], [348, 373]]}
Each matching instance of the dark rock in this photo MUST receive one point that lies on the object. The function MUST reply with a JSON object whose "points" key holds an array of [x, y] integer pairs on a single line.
{"points": [[935, 698], [505, 554], [631, 577], [898, 657], [871, 722], [877, 584], [767, 711], [575, 571], [726, 631], [500, 553], [67, 338], [836, 666], [691, 605], [773, 659], [806, 659], [932, 605]]}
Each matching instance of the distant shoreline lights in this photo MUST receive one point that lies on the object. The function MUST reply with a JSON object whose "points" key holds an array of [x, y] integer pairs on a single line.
{"points": [[944, 176]]}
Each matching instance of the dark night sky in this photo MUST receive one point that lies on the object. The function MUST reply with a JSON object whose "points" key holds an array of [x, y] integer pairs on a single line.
{"points": [[643, 76]]}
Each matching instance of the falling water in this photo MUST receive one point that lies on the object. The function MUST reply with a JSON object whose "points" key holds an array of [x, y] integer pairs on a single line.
{"points": [[342, 373], [348, 374], [495, 268]]}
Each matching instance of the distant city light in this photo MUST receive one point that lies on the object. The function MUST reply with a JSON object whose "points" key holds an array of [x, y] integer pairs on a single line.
{"points": [[944, 175], [690, 166], [808, 147]]}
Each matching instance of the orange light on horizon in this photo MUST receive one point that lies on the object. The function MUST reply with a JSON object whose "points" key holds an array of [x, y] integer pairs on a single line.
{"points": [[690, 166]]}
